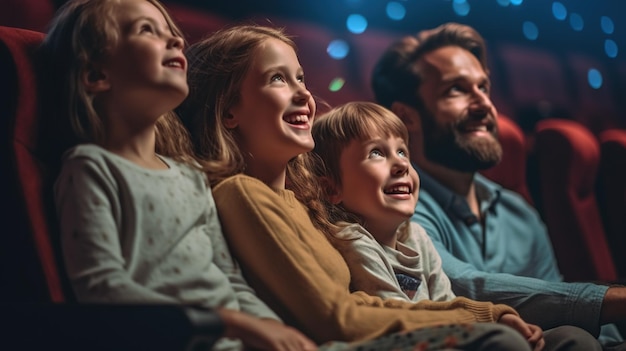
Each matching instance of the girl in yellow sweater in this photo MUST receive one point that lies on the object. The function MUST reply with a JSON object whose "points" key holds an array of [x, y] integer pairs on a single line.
{"points": [[250, 117]]}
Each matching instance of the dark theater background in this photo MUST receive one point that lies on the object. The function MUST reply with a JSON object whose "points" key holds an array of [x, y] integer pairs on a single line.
{"points": [[558, 71], [563, 58]]}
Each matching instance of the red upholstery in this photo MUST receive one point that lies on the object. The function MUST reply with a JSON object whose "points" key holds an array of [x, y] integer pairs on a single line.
{"points": [[194, 23], [28, 14], [32, 285], [568, 156], [612, 192], [368, 47], [29, 267], [511, 171]]}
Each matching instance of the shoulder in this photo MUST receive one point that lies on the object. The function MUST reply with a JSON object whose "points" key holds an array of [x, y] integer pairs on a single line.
{"points": [[185, 169], [86, 159], [413, 234], [509, 200], [86, 152], [241, 189], [239, 183], [352, 231], [427, 203]]}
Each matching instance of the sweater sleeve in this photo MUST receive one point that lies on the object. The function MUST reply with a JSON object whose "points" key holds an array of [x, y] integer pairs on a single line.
{"points": [[248, 301], [86, 200], [282, 255]]}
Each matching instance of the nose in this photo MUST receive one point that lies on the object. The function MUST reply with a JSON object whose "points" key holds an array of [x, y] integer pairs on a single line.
{"points": [[176, 42], [400, 166], [302, 94], [481, 102]]}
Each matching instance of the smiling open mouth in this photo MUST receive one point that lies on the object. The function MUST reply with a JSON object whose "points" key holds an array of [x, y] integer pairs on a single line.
{"points": [[398, 189], [297, 119]]}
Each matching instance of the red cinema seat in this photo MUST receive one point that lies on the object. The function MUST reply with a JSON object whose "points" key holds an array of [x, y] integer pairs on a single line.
{"points": [[195, 23], [27, 14], [612, 192], [568, 156], [511, 171], [28, 255], [36, 308]]}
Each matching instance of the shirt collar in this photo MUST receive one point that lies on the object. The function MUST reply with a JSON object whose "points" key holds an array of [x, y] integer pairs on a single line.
{"points": [[488, 194]]}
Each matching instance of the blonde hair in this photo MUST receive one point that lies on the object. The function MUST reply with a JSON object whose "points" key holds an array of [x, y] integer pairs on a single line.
{"points": [[217, 66], [333, 131], [80, 35]]}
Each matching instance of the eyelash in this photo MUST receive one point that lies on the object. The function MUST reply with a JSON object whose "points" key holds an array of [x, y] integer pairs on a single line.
{"points": [[146, 27], [300, 78], [375, 151], [484, 88], [402, 152]]}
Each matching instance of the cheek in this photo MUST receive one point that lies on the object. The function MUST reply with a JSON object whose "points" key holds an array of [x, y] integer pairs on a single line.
{"points": [[312, 106]]}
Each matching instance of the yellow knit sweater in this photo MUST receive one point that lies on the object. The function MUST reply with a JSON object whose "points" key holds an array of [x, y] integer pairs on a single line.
{"points": [[301, 276]]}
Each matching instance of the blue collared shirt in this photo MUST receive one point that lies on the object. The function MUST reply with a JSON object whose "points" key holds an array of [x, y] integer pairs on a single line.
{"points": [[508, 260]]}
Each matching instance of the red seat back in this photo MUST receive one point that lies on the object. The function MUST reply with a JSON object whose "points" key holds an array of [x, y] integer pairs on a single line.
{"points": [[30, 266], [511, 171], [612, 192], [28, 14], [567, 157]]}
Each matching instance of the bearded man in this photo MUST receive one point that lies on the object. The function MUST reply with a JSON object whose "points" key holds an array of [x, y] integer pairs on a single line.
{"points": [[493, 244]]}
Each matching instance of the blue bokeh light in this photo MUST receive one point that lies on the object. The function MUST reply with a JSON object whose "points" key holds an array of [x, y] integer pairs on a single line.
{"points": [[461, 7], [610, 48], [396, 11], [576, 21], [530, 30], [559, 11], [594, 77], [356, 23], [504, 3], [338, 49], [606, 23], [516, 2]]}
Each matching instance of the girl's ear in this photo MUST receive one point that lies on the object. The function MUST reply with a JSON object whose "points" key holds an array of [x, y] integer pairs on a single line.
{"points": [[331, 190], [95, 80], [408, 115], [230, 121]]}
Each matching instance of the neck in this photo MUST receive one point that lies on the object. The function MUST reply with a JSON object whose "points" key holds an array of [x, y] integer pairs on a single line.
{"points": [[272, 174], [386, 234], [460, 183], [138, 146]]}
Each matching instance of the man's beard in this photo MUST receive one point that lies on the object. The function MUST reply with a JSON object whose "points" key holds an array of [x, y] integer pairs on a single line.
{"points": [[446, 146]]}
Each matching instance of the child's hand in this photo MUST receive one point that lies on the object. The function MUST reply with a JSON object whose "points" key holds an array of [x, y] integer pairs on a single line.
{"points": [[531, 332], [264, 334]]}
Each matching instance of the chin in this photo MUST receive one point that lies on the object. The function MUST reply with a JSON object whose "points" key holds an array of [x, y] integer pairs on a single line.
{"points": [[307, 145]]}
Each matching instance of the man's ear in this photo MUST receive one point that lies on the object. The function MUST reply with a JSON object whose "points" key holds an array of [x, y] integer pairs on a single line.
{"points": [[409, 116], [331, 190], [95, 80]]}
